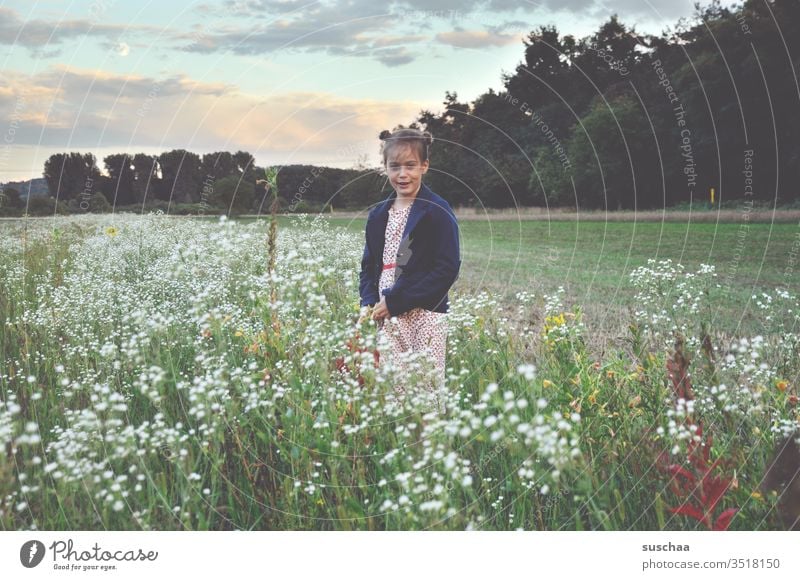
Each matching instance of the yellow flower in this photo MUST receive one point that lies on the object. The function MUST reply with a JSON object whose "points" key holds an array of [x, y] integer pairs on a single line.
{"points": [[111, 231], [782, 386], [547, 384], [238, 333], [610, 374], [593, 397], [757, 495], [550, 322], [320, 502]]}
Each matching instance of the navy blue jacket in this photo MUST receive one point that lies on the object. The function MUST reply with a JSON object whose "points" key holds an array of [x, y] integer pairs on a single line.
{"points": [[428, 260]]}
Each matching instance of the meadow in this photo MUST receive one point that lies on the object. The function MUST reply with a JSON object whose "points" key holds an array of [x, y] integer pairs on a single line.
{"points": [[157, 374], [593, 260]]}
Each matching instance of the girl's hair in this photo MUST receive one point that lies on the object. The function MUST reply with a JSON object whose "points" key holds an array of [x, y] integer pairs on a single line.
{"points": [[419, 140]]}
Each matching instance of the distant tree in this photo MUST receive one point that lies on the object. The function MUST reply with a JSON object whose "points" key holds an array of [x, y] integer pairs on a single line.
{"points": [[121, 172], [550, 184], [615, 148], [362, 163], [11, 198], [610, 53], [453, 166], [99, 204], [351, 188], [244, 162], [181, 176], [233, 194], [69, 175], [145, 178], [46, 205], [543, 75], [218, 165]]}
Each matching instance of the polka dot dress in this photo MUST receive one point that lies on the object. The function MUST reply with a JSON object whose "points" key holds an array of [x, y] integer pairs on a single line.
{"points": [[417, 330]]}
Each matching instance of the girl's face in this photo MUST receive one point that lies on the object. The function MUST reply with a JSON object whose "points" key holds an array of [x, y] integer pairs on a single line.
{"points": [[405, 170]]}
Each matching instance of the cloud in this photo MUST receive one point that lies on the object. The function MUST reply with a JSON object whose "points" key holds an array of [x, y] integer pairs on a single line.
{"points": [[356, 28], [71, 109], [122, 49], [477, 38], [39, 34], [665, 12], [393, 56], [347, 27], [320, 28]]}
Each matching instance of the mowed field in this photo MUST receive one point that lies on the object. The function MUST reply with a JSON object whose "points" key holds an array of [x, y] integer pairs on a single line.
{"points": [[593, 259]]}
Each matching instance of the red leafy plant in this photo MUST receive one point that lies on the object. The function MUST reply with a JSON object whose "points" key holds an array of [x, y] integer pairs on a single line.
{"points": [[698, 482], [702, 489], [353, 347]]}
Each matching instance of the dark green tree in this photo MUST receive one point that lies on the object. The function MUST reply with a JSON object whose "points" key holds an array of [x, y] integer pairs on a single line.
{"points": [[121, 172], [10, 198], [233, 194], [69, 175], [146, 180], [181, 176]]}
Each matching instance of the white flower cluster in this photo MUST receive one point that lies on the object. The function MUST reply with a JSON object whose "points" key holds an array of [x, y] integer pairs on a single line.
{"points": [[465, 311], [554, 303], [7, 425], [668, 298], [785, 428], [680, 425]]}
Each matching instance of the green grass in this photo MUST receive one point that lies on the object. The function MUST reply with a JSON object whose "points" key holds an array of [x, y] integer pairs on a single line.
{"points": [[262, 415], [592, 261]]}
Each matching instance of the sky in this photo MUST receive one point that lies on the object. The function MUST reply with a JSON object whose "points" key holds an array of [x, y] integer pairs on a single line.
{"points": [[290, 81]]}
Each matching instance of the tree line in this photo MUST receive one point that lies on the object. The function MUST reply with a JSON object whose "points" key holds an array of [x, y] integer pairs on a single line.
{"points": [[620, 120], [182, 181]]}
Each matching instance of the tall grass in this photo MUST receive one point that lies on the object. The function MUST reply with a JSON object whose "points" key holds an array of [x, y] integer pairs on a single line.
{"points": [[144, 386]]}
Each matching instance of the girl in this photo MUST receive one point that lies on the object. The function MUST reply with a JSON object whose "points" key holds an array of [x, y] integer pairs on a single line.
{"points": [[411, 256]]}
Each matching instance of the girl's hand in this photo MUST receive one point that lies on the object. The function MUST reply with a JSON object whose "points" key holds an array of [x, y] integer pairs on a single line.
{"points": [[364, 313], [381, 311]]}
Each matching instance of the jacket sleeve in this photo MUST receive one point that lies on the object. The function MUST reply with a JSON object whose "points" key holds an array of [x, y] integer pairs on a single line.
{"points": [[368, 285], [430, 289]]}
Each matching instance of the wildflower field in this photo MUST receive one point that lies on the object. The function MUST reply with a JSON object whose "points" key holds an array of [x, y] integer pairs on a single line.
{"points": [[156, 374]]}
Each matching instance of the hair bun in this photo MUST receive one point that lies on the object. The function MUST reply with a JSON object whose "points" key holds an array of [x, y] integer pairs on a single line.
{"points": [[421, 140]]}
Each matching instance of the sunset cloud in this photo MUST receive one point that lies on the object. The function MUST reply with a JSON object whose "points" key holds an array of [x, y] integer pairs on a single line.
{"points": [[72, 108], [476, 38]]}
